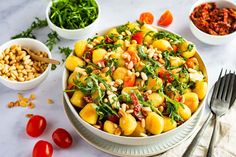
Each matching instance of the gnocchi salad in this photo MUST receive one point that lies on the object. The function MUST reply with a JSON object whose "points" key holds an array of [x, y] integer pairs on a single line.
{"points": [[135, 80]]}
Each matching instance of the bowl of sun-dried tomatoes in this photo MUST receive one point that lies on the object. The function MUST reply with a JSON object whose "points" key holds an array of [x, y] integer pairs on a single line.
{"points": [[213, 21]]}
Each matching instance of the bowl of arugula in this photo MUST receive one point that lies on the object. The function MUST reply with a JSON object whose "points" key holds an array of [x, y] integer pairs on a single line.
{"points": [[72, 19]]}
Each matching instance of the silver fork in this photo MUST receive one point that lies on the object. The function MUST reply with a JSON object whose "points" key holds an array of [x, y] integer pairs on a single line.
{"points": [[220, 103]]}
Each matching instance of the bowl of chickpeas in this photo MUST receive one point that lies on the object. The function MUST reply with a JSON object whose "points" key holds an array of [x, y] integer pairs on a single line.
{"points": [[135, 84], [18, 70]]}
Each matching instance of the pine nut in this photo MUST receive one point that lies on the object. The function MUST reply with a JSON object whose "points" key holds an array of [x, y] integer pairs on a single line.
{"points": [[130, 65], [144, 76]]}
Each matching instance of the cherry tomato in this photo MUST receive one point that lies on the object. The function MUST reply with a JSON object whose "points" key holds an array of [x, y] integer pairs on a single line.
{"points": [[62, 138], [129, 81], [165, 75], [42, 149], [165, 19], [134, 56], [36, 125], [146, 17], [138, 37]]}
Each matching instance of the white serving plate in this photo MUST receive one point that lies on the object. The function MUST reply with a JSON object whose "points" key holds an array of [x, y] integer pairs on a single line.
{"points": [[128, 150]]}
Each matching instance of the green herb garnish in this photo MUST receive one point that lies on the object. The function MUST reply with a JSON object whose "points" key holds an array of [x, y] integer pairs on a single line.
{"points": [[66, 51], [52, 40], [53, 67], [141, 53], [73, 14], [37, 24], [190, 47]]}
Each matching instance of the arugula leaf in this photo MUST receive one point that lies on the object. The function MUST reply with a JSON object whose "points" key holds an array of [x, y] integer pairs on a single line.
{"points": [[105, 45], [52, 40], [150, 70], [172, 38], [140, 23], [172, 107], [190, 47], [166, 57], [141, 53], [28, 33], [122, 28], [104, 110], [110, 63]]}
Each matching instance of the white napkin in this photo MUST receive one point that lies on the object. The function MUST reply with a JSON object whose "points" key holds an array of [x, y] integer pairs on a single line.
{"points": [[226, 142]]}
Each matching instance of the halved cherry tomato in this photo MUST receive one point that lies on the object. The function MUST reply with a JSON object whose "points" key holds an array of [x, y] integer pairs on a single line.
{"points": [[146, 17], [192, 63], [175, 48], [62, 138], [133, 56], [42, 149], [36, 125], [138, 37], [129, 81], [165, 19], [165, 75], [70, 86]]}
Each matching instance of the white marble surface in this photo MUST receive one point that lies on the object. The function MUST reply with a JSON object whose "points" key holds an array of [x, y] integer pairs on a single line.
{"points": [[16, 15]]}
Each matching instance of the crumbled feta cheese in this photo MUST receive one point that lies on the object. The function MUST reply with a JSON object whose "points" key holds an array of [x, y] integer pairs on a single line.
{"points": [[196, 76]]}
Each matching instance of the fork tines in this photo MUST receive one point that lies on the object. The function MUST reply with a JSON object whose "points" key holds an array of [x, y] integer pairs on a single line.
{"points": [[223, 88]]}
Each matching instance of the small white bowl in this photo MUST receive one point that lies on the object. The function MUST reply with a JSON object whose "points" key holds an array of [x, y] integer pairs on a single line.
{"points": [[207, 38], [33, 45], [72, 34]]}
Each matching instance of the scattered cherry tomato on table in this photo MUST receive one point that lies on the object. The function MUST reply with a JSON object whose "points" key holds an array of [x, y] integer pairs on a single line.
{"points": [[62, 138], [165, 19], [42, 149], [36, 125], [146, 17]]}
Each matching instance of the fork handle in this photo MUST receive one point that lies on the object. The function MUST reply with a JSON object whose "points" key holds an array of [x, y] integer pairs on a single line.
{"points": [[213, 137], [189, 151]]}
